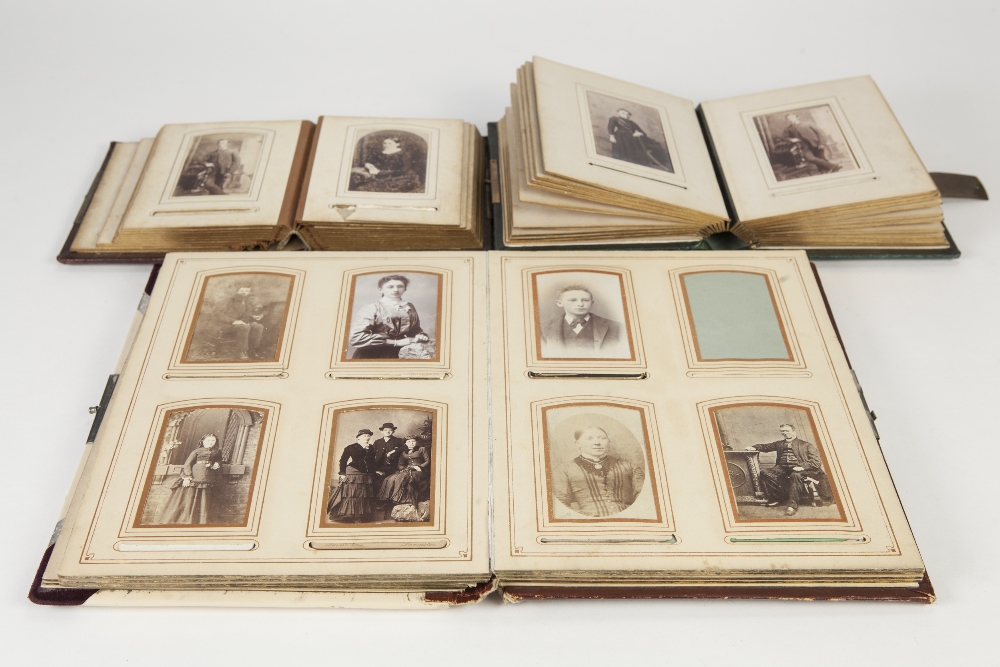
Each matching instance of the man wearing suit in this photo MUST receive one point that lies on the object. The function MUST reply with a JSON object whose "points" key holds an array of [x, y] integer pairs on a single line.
{"points": [[243, 314], [811, 142], [387, 450], [225, 169], [577, 332], [796, 461]]}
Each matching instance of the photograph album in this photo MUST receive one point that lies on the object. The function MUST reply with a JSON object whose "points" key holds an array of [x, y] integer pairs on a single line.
{"points": [[587, 159], [340, 184], [362, 429]]}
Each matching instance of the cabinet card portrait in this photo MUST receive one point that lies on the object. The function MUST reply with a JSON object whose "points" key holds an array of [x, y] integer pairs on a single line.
{"points": [[582, 315], [598, 463], [241, 318], [389, 162], [631, 133], [393, 316], [777, 468], [204, 469], [805, 142], [735, 317], [381, 466], [221, 163]]}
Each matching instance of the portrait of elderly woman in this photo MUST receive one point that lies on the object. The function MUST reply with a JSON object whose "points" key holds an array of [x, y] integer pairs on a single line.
{"points": [[389, 161], [391, 326], [597, 482], [598, 463]]}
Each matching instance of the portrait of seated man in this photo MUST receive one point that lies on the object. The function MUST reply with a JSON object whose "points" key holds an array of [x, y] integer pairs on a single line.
{"points": [[239, 318], [242, 315], [218, 166], [597, 482], [575, 331], [797, 473], [805, 142]]}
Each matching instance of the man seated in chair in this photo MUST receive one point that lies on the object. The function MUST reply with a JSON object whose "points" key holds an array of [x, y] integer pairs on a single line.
{"points": [[241, 316], [797, 462]]}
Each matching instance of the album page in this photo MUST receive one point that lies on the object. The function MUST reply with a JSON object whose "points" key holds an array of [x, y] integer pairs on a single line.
{"points": [[813, 147], [115, 171], [221, 175], [677, 417], [623, 137], [390, 170], [293, 419]]}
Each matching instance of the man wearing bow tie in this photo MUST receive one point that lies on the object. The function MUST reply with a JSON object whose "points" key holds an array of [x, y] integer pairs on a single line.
{"points": [[577, 332]]}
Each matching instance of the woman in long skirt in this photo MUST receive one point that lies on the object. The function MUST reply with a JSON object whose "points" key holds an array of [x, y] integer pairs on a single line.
{"points": [[353, 500], [409, 484], [190, 499]]}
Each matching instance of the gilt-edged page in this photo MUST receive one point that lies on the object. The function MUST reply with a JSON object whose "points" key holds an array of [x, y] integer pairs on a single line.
{"points": [[578, 114]]}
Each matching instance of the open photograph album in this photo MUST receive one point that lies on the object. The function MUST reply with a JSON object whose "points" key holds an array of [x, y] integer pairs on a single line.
{"points": [[364, 429], [338, 184], [590, 159]]}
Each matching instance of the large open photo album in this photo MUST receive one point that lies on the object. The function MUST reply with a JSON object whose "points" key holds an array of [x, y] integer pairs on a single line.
{"points": [[362, 429]]}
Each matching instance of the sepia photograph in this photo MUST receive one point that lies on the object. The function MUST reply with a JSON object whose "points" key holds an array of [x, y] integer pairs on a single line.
{"points": [[804, 142], [240, 318], [776, 468], [394, 316], [597, 463], [380, 468], [220, 164], [581, 315], [389, 161], [628, 131], [204, 469]]}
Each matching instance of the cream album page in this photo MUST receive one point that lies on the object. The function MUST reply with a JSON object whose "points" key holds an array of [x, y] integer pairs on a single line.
{"points": [[388, 170], [293, 417], [578, 112], [865, 154], [218, 175], [681, 416]]}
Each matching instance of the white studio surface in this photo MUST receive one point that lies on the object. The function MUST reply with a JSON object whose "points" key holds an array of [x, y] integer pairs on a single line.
{"points": [[920, 333]]}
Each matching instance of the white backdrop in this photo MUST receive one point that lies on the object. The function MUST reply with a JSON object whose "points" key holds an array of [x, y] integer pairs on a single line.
{"points": [[921, 334]]}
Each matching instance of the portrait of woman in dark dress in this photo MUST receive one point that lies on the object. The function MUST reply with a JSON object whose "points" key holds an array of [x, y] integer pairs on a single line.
{"points": [[353, 499], [409, 484], [190, 499], [381, 329], [389, 162]]}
